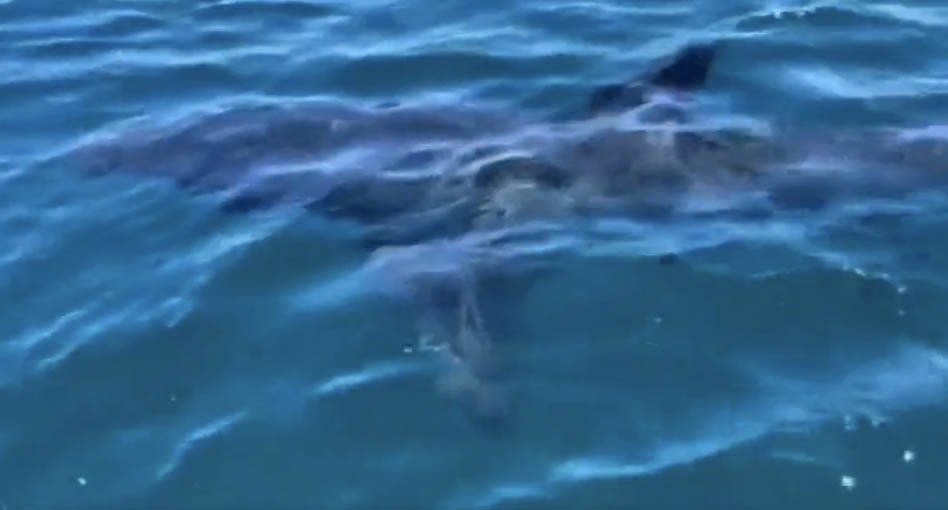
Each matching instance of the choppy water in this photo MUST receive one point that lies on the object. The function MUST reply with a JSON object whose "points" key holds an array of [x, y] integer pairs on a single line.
{"points": [[158, 353]]}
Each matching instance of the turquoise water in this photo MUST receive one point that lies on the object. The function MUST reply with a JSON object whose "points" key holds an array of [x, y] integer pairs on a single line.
{"points": [[158, 351]]}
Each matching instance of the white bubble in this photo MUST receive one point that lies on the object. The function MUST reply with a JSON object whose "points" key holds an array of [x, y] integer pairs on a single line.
{"points": [[908, 456], [81, 481], [847, 482]]}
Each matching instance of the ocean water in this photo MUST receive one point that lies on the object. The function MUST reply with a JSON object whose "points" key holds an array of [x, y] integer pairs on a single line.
{"points": [[160, 351]]}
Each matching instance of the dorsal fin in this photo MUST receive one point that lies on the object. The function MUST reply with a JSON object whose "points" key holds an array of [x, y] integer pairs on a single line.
{"points": [[688, 70]]}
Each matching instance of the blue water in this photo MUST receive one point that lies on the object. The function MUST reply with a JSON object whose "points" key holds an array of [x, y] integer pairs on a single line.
{"points": [[156, 352]]}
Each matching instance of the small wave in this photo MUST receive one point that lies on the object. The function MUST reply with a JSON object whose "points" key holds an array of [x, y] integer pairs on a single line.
{"points": [[926, 16], [384, 73], [841, 14], [617, 9], [371, 374], [67, 47], [674, 454], [126, 23], [909, 377], [292, 9], [510, 493], [864, 85], [795, 457], [235, 240], [198, 435], [84, 335], [43, 349], [644, 239], [30, 339], [584, 469]]}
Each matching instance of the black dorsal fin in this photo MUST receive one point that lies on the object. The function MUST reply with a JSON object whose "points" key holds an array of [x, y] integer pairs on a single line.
{"points": [[688, 70]]}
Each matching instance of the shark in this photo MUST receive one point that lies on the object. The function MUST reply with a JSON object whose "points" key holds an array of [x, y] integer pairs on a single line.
{"points": [[446, 196]]}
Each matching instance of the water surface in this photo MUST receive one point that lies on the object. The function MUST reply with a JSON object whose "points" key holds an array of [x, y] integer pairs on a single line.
{"points": [[156, 352]]}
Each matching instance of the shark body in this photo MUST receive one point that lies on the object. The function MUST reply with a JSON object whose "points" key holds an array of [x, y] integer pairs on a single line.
{"points": [[440, 191]]}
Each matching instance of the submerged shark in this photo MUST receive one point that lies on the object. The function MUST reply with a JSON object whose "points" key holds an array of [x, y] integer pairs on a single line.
{"points": [[411, 173], [443, 193]]}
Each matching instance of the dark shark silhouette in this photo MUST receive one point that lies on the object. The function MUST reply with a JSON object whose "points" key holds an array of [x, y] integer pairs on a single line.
{"points": [[266, 155], [440, 189], [412, 173]]}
